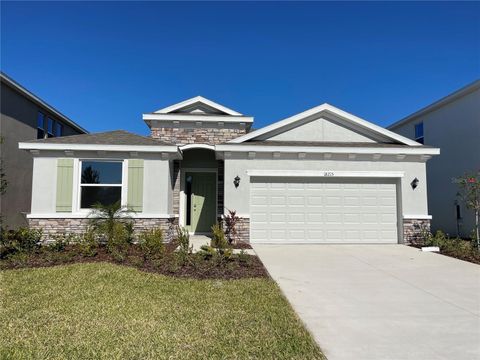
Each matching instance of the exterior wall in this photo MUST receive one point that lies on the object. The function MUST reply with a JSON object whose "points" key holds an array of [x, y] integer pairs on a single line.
{"points": [[198, 134], [455, 129], [18, 122], [319, 130], [56, 226], [156, 188], [412, 203]]}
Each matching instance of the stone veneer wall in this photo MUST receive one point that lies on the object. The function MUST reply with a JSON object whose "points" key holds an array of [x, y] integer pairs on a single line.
{"points": [[243, 229], [220, 186], [198, 135], [176, 187], [414, 229], [52, 227]]}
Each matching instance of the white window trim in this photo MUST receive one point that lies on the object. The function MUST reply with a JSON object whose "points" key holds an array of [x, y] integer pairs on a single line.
{"points": [[76, 204]]}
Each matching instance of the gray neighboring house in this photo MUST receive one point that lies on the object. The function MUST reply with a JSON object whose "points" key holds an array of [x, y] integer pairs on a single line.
{"points": [[24, 116], [453, 125], [320, 176]]}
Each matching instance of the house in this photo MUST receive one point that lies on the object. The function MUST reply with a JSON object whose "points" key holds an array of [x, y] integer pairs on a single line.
{"points": [[452, 124], [321, 176], [24, 116]]}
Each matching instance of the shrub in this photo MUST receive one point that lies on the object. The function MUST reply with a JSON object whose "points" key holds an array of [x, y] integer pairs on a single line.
{"points": [[61, 241], [231, 221], [219, 240], [151, 243], [183, 239], [88, 244], [244, 258], [117, 244], [20, 240]]}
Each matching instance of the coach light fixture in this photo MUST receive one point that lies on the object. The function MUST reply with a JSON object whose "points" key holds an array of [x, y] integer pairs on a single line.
{"points": [[236, 181], [414, 183]]}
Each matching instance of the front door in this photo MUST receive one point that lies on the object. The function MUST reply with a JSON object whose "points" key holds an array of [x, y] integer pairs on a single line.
{"points": [[200, 191]]}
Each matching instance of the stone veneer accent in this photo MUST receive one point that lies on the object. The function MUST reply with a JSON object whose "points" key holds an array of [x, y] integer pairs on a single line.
{"points": [[243, 229], [200, 135], [51, 226], [414, 229]]}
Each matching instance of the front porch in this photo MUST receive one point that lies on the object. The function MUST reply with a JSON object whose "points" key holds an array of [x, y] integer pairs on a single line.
{"points": [[198, 195]]}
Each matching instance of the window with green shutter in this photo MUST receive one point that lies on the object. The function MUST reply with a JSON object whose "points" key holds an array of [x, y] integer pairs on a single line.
{"points": [[135, 184], [64, 185]]}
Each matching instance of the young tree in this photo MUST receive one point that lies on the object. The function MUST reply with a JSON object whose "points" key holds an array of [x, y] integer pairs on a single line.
{"points": [[469, 185]]}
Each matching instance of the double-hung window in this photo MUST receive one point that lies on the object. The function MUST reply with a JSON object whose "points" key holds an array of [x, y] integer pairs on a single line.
{"points": [[419, 133], [100, 182], [58, 129]]}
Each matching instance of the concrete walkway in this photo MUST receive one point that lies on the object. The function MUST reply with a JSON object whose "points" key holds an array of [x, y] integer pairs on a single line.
{"points": [[381, 301]]}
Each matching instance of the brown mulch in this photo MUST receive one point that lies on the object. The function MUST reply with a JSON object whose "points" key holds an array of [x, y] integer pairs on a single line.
{"points": [[241, 245], [170, 264], [469, 256]]}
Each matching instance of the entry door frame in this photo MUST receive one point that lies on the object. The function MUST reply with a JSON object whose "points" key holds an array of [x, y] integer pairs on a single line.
{"points": [[183, 198]]}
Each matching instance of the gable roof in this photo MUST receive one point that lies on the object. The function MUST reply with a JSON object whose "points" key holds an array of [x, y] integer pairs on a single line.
{"points": [[327, 109], [32, 97], [117, 140], [198, 100], [438, 104]]}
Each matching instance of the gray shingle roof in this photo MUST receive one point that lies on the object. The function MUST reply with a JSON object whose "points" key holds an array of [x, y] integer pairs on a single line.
{"points": [[116, 137]]}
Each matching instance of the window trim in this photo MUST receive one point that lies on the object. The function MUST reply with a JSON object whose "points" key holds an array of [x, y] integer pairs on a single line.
{"points": [[78, 182]]}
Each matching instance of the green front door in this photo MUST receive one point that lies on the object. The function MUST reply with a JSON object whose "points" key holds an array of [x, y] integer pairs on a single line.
{"points": [[201, 210]]}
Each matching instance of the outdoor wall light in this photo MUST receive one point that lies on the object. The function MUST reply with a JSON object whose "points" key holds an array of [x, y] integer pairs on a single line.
{"points": [[414, 183], [236, 181]]}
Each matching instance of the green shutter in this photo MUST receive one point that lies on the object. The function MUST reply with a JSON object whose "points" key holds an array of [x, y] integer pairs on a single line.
{"points": [[135, 184], [64, 185]]}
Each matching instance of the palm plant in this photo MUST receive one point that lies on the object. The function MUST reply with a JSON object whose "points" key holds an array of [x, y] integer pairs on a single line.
{"points": [[106, 218]]}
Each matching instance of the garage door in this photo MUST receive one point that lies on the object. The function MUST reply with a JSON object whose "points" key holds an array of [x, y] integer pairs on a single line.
{"points": [[322, 210]]}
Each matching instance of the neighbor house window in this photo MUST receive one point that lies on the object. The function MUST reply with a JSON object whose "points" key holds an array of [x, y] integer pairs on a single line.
{"points": [[419, 133], [40, 125], [100, 183], [58, 129], [50, 127]]}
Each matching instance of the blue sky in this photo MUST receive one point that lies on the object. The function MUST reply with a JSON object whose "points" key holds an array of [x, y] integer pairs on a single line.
{"points": [[104, 64]]}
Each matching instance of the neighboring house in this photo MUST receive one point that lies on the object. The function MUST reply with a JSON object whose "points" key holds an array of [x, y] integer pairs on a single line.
{"points": [[453, 125], [322, 176], [24, 117]]}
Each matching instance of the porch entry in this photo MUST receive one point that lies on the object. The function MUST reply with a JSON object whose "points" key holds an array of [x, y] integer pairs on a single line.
{"points": [[200, 193]]}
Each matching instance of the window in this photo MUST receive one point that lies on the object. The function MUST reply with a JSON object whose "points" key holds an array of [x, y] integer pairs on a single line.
{"points": [[50, 127], [188, 193], [458, 212], [101, 182], [419, 133], [40, 125], [58, 129]]}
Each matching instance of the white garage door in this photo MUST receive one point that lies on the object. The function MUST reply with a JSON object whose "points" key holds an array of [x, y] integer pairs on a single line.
{"points": [[322, 210]]}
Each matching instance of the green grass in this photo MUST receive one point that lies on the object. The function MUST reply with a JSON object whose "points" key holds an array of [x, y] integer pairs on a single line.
{"points": [[106, 311]]}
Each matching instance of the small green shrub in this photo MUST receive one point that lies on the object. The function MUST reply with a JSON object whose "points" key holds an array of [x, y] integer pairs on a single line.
{"points": [[117, 244], [244, 258], [151, 243], [207, 252], [219, 239], [20, 240], [88, 244], [183, 239], [129, 229], [60, 242]]}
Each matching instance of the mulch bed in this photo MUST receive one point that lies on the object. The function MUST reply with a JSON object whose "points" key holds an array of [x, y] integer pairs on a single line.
{"points": [[191, 266], [241, 245], [470, 257]]}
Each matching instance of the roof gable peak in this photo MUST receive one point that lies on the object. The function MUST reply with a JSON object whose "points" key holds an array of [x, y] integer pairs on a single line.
{"points": [[198, 105]]}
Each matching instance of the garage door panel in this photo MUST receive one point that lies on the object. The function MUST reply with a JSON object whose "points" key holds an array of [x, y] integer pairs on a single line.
{"points": [[322, 210]]}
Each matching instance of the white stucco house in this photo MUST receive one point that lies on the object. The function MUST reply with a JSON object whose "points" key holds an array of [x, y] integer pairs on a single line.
{"points": [[452, 124], [321, 176]]}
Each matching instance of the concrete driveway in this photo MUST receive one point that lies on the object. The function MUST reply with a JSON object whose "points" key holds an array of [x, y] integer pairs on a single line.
{"points": [[380, 301]]}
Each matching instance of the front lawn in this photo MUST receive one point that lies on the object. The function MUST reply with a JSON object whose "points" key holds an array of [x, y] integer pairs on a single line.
{"points": [[102, 310]]}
